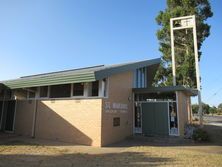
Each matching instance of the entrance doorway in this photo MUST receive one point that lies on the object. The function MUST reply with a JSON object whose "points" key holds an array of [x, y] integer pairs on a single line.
{"points": [[7, 115], [156, 118]]}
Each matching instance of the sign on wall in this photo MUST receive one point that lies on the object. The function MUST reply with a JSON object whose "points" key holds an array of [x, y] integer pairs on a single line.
{"points": [[116, 107]]}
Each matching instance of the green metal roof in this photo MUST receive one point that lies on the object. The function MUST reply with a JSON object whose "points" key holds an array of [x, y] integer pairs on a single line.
{"points": [[166, 89], [88, 74]]}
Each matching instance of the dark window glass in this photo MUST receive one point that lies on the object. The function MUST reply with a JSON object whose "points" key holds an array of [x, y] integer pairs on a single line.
{"points": [[31, 92], [78, 89], [116, 121], [44, 91], [105, 87], [8, 94], [95, 88], [57, 91], [2, 93]]}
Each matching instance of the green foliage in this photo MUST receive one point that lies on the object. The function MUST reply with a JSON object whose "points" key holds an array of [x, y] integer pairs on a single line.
{"points": [[220, 106], [213, 110], [219, 111], [195, 108], [185, 67], [200, 135], [206, 108]]}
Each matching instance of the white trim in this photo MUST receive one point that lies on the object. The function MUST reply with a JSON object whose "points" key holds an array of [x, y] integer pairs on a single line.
{"points": [[39, 93], [141, 119], [178, 123], [71, 93], [138, 79], [72, 87], [86, 89], [193, 26], [137, 130], [145, 78], [101, 88], [49, 91], [153, 101], [168, 113], [69, 98], [183, 17], [172, 52], [180, 28]]}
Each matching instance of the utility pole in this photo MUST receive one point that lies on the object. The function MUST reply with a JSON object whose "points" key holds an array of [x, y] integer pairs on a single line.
{"points": [[180, 23]]}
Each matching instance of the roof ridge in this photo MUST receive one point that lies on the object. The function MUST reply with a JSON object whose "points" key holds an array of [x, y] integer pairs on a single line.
{"points": [[75, 69]]}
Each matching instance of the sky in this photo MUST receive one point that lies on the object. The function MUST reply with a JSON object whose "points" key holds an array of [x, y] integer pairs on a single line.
{"points": [[51, 35]]}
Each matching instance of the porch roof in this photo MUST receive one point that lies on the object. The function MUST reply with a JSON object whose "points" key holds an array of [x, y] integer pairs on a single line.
{"points": [[166, 89]]}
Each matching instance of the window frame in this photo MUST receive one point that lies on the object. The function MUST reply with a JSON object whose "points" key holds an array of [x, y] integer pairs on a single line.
{"points": [[28, 95], [72, 89], [103, 86], [39, 92], [60, 97], [97, 84]]}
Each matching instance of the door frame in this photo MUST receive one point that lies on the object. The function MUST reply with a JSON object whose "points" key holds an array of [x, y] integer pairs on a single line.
{"points": [[136, 131], [13, 126]]}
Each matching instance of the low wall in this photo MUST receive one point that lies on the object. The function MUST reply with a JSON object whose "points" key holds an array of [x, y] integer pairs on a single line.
{"points": [[69, 120]]}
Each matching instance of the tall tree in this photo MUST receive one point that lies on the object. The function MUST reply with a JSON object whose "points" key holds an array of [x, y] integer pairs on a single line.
{"points": [[220, 106], [184, 49]]}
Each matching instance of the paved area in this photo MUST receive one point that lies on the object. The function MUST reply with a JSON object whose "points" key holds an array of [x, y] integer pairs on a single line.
{"points": [[213, 120]]}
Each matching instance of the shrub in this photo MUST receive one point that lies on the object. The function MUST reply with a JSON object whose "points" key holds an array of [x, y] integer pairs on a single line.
{"points": [[200, 135], [188, 131], [195, 119]]}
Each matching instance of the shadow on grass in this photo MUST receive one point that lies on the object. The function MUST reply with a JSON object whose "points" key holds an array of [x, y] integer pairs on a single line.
{"points": [[215, 133], [133, 159]]}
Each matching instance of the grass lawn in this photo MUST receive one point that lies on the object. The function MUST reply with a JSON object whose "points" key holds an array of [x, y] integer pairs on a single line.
{"points": [[28, 152]]}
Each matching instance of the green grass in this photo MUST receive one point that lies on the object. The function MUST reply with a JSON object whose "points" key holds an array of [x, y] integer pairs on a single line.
{"points": [[19, 153]]}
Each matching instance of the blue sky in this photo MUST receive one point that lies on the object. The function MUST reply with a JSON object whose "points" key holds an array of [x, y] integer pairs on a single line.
{"points": [[51, 35]]}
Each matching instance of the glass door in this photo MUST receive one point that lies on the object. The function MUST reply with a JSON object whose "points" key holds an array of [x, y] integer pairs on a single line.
{"points": [[137, 118]]}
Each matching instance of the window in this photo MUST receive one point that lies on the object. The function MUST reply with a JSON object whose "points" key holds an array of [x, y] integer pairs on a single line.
{"points": [[140, 78], [31, 95], [2, 93], [116, 121], [31, 92], [95, 88], [105, 93], [59, 91], [173, 119], [43, 91], [78, 89]]}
